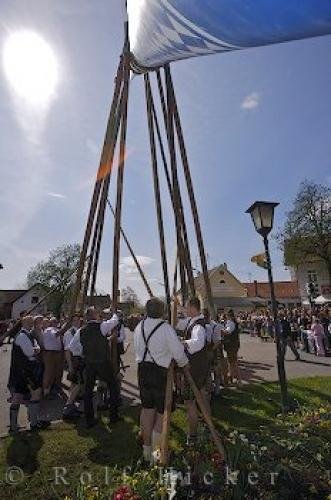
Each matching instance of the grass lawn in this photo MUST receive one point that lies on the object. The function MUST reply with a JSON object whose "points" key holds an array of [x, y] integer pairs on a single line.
{"points": [[299, 445]]}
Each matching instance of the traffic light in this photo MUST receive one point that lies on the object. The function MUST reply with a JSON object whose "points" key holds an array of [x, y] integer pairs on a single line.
{"points": [[312, 290]]}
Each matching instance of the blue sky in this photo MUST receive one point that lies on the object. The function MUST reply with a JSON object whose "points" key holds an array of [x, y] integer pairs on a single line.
{"points": [[256, 123]]}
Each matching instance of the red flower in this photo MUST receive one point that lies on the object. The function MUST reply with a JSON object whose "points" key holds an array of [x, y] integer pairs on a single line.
{"points": [[123, 493]]}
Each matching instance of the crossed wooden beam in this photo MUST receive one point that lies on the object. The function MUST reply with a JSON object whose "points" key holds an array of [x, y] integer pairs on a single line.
{"points": [[167, 143]]}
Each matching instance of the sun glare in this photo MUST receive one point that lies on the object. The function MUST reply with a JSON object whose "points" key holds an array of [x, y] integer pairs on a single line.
{"points": [[30, 67]]}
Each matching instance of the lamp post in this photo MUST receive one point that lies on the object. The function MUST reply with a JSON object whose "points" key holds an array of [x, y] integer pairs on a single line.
{"points": [[262, 213]]}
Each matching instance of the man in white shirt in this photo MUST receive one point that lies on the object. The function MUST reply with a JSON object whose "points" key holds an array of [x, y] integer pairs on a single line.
{"points": [[156, 345], [52, 356], [25, 377], [75, 370], [195, 341], [214, 338]]}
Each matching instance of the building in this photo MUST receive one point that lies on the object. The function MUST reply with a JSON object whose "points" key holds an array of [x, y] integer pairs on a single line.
{"points": [[286, 292], [7, 297], [229, 292], [14, 302], [313, 271]]}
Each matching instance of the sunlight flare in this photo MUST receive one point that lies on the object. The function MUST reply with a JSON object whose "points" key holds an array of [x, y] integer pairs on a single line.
{"points": [[31, 67]]}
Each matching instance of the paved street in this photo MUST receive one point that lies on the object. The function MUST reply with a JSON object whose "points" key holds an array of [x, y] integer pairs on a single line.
{"points": [[258, 362]]}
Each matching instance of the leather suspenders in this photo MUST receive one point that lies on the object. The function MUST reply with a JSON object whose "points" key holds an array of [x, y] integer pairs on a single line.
{"points": [[147, 340]]}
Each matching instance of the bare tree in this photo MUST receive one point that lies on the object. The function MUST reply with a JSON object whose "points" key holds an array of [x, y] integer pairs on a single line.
{"points": [[307, 229]]}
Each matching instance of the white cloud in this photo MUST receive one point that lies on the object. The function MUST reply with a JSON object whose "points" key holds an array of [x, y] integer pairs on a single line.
{"points": [[128, 266], [93, 147], [56, 195], [251, 101]]}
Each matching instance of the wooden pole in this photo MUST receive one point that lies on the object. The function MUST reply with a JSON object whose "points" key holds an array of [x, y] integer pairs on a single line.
{"points": [[184, 243], [104, 197], [96, 194], [202, 405], [191, 194], [120, 181], [157, 194], [185, 262], [119, 191], [129, 247]]}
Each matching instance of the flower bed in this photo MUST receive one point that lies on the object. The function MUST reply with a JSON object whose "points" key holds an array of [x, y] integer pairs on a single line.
{"points": [[289, 460]]}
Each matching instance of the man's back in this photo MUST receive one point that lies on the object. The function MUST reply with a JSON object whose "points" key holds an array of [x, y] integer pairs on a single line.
{"points": [[163, 345], [95, 345]]}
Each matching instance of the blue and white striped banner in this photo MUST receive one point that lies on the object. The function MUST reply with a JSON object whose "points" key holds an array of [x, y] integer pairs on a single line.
{"points": [[162, 31]]}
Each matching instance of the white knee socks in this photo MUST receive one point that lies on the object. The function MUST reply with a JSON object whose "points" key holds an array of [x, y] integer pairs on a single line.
{"points": [[147, 452]]}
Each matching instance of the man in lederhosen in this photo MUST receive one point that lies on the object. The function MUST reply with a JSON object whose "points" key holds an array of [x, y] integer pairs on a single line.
{"points": [[75, 366], [156, 344], [94, 338], [192, 330], [25, 378]]}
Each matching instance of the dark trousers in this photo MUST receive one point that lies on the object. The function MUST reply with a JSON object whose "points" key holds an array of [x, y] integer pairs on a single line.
{"points": [[288, 341], [101, 371]]}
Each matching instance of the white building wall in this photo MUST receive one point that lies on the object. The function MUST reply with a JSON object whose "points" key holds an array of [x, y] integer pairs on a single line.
{"points": [[303, 271], [27, 301]]}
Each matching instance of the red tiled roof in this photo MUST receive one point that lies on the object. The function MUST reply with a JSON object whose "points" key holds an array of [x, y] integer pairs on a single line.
{"points": [[283, 289]]}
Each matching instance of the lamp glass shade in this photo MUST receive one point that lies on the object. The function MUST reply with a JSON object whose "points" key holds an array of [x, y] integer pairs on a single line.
{"points": [[262, 213]]}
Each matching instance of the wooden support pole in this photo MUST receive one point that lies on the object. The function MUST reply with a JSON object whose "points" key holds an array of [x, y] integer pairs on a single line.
{"points": [[96, 193], [119, 193], [157, 194], [191, 194], [185, 243], [185, 264], [90, 265], [202, 405], [133, 255], [104, 197], [187, 261], [120, 181], [164, 458]]}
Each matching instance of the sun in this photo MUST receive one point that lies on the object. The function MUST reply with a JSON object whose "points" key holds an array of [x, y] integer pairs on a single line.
{"points": [[30, 67]]}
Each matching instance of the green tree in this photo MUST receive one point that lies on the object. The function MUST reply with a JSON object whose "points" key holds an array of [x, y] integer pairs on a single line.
{"points": [[129, 295], [307, 229], [56, 271]]}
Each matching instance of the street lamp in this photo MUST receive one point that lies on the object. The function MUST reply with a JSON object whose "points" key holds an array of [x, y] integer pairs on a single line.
{"points": [[262, 213]]}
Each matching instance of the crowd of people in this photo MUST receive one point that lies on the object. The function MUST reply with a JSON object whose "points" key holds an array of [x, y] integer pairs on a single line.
{"points": [[88, 350], [305, 329]]}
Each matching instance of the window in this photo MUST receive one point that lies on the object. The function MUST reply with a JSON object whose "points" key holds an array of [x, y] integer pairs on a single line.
{"points": [[34, 299], [222, 282]]}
